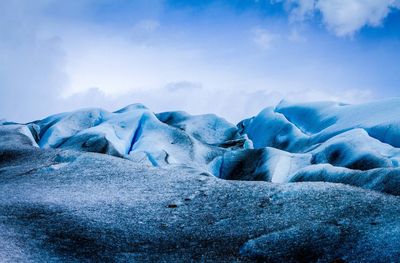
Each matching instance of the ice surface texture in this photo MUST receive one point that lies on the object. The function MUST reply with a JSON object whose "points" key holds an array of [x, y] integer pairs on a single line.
{"points": [[62, 205], [323, 141], [332, 142], [134, 186]]}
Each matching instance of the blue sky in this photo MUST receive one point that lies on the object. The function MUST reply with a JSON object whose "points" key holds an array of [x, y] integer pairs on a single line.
{"points": [[232, 58]]}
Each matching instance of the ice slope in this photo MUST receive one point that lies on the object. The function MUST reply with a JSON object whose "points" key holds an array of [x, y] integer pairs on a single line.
{"points": [[355, 149], [138, 134], [352, 144], [322, 141], [385, 180], [297, 127], [208, 128], [379, 119], [264, 164], [58, 205]]}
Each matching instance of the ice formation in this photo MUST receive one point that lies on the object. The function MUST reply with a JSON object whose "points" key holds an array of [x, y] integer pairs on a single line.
{"points": [[323, 141]]}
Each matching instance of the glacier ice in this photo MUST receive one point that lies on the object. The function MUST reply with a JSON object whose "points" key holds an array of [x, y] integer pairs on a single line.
{"points": [[265, 164], [136, 133], [322, 141], [297, 127], [61, 205]]}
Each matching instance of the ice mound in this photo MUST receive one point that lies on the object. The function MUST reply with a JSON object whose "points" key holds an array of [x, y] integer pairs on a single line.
{"points": [[322, 141], [208, 128], [136, 133], [265, 164], [297, 127], [326, 141]]}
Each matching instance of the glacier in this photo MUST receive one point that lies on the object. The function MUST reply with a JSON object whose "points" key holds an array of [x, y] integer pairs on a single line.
{"points": [[309, 182], [291, 142]]}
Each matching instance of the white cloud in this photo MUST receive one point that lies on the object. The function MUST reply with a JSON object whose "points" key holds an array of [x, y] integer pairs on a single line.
{"points": [[183, 85], [343, 17], [234, 105], [264, 38], [166, 67], [31, 66], [300, 9]]}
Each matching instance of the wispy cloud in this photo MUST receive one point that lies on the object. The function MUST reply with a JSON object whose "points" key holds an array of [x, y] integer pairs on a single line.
{"points": [[31, 65], [234, 105], [343, 17], [183, 85], [60, 55], [264, 38]]}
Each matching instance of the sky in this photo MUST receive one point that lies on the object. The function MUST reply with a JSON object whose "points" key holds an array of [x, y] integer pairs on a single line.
{"points": [[228, 57]]}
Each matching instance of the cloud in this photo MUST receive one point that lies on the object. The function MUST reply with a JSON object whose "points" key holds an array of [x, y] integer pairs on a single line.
{"points": [[52, 61], [343, 17], [300, 9], [264, 38], [183, 85], [234, 105], [31, 65]]}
